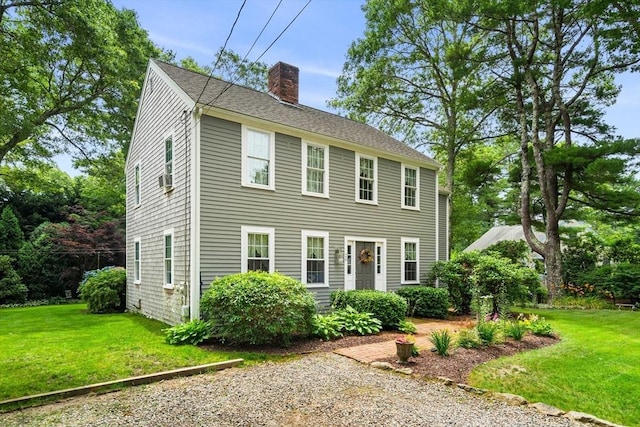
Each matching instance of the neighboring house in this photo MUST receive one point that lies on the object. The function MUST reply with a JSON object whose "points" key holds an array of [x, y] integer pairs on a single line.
{"points": [[223, 179]]}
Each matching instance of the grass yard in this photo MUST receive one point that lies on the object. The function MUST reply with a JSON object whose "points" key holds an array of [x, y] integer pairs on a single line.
{"points": [[51, 348], [594, 369]]}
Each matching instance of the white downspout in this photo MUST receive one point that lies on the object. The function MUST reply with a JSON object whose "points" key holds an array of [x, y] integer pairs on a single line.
{"points": [[194, 289]]}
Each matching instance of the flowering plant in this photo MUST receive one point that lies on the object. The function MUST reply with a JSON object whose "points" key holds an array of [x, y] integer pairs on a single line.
{"points": [[366, 256], [405, 339]]}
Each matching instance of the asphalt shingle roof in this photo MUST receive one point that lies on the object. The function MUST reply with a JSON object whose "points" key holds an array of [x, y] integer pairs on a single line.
{"points": [[261, 105]]}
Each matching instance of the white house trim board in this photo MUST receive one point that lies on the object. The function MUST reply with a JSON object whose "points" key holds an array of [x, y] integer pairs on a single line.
{"points": [[194, 229], [350, 278], [437, 225]]}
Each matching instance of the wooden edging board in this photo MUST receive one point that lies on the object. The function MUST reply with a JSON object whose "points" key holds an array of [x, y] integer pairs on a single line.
{"points": [[142, 379]]}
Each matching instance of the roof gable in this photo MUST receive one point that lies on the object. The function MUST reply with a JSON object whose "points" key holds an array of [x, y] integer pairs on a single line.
{"points": [[262, 106]]}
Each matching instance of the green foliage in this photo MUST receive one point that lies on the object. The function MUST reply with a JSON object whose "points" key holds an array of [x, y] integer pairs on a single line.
{"points": [[441, 340], [515, 329], [193, 333], [387, 307], [515, 251], [104, 290], [581, 255], [455, 275], [538, 326], [424, 301], [327, 327], [590, 302], [12, 291], [11, 236], [468, 338], [258, 308], [621, 281], [407, 327], [488, 332], [355, 322]]}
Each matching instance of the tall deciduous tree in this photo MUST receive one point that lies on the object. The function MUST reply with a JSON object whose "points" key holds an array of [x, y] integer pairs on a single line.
{"points": [[560, 57], [70, 76]]}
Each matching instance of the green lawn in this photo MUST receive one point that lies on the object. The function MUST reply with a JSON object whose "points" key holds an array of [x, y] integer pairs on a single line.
{"points": [[57, 347], [594, 369]]}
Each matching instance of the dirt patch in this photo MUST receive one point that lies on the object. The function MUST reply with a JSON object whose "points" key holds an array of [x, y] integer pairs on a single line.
{"points": [[461, 362]]}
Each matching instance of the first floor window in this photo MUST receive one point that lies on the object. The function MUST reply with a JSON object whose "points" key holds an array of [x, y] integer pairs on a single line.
{"points": [[136, 261], [410, 259], [315, 266], [168, 258], [257, 249]]}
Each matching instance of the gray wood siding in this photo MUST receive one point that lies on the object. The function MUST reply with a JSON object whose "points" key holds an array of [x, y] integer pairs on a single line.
{"points": [[226, 206], [442, 228], [161, 112]]}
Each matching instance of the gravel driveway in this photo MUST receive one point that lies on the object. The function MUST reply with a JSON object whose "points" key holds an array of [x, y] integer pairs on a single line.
{"points": [[317, 390]]}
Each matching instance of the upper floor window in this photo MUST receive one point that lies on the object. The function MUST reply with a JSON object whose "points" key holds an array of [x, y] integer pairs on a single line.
{"points": [[315, 263], [410, 260], [168, 155], [315, 169], [137, 183], [257, 251], [168, 259], [258, 153], [366, 179], [136, 260], [410, 187]]}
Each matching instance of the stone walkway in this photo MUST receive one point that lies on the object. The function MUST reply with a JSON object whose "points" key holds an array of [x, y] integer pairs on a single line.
{"points": [[368, 353]]}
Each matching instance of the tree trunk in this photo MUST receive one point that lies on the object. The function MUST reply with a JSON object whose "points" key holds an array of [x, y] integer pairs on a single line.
{"points": [[553, 261]]}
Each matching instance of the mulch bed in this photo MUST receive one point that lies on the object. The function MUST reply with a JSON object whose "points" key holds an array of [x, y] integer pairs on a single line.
{"points": [[459, 364]]}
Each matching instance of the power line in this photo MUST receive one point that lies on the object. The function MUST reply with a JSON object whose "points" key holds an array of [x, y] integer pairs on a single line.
{"points": [[223, 48], [265, 51]]}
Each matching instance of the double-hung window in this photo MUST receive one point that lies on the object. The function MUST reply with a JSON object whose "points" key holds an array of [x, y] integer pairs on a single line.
{"points": [[410, 260], [258, 153], [257, 251], [315, 263], [410, 187], [168, 259], [366, 179], [168, 155], [136, 178], [137, 248], [315, 169]]}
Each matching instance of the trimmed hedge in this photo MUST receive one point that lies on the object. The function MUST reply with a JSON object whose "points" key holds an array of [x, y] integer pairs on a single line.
{"points": [[258, 308], [387, 307], [425, 301], [104, 290]]}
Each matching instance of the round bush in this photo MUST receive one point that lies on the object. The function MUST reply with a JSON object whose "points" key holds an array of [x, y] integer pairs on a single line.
{"points": [[258, 308], [424, 301], [12, 291], [104, 290], [387, 307]]}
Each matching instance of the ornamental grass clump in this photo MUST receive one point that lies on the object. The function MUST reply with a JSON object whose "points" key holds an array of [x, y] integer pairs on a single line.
{"points": [[441, 340], [515, 329], [488, 332]]}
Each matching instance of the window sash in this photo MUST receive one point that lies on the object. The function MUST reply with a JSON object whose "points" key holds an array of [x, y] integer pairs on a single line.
{"points": [[137, 184], [366, 181], [315, 169], [258, 252], [410, 261], [258, 160], [168, 155], [316, 260], [168, 259], [136, 261], [410, 186]]}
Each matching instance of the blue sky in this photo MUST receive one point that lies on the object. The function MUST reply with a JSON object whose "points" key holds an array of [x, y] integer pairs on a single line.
{"points": [[316, 42]]}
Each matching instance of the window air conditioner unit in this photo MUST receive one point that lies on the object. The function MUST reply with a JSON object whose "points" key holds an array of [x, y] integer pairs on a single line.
{"points": [[165, 181]]}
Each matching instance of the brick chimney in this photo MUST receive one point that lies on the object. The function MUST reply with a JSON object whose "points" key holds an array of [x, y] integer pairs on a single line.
{"points": [[283, 82]]}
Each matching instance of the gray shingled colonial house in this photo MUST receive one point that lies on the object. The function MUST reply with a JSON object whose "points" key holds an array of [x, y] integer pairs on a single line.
{"points": [[223, 179]]}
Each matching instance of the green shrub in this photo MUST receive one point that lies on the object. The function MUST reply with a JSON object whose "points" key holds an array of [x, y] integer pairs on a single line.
{"points": [[515, 329], [621, 281], [425, 301], [455, 275], [104, 290], [591, 303], [407, 327], [468, 338], [538, 326], [12, 291], [258, 308], [441, 340], [355, 322], [488, 332], [193, 333], [515, 251], [327, 327], [387, 307]]}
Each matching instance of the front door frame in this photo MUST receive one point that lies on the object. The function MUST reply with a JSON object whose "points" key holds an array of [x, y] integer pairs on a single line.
{"points": [[379, 259]]}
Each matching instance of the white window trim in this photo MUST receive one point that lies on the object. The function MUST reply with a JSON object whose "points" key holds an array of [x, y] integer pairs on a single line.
{"points": [[402, 187], [325, 236], [404, 240], [272, 159], [138, 242], [375, 179], [173, 259], [244, 242], [305, 191], [137, 186]]}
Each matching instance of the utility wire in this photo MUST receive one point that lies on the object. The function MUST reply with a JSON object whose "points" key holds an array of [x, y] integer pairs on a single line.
{"points": [[223, 48], [265, 51]]}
